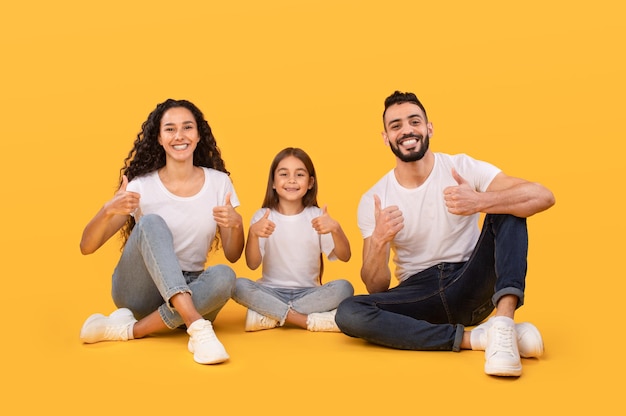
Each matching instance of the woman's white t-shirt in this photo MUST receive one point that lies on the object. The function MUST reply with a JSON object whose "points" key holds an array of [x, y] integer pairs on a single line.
{"points": [[190, 219]]}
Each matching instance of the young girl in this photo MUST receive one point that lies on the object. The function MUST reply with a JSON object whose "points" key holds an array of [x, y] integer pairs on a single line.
{"points": [[288, 236], [175, 198]]}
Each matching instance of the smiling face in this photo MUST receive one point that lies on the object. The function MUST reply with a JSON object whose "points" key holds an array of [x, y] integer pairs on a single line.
{"points": [[178, 134], [292, 180], [407, 131]]}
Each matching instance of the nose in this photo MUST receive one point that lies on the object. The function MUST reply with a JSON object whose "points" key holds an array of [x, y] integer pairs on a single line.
{"points": [[406, 129]]}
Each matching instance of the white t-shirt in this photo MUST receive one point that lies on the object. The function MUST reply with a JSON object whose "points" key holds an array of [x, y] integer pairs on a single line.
{"points": [[431, 235], [190, 219], [291, 255]]}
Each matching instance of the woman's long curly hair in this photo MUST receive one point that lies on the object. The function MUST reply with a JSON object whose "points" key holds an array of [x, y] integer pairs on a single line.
{"points": [[147, 155]]}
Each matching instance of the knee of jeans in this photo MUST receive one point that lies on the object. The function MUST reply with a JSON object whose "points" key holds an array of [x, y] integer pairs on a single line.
{"points": [[345, 312], [345, 288], [223, 276], [151, 220]]}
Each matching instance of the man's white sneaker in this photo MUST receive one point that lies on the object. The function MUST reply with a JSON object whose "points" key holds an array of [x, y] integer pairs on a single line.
{"points": [[116, 327], [204, 345], [322, 322], [529, 341], [256, 322], [501, 353]]}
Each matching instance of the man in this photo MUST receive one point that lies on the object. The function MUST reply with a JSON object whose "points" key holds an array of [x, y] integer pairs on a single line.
{"points": [[450, 275]]}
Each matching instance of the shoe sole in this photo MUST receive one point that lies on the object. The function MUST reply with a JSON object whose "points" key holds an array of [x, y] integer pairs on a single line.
{"points": [[503, 371], [216, 360]]}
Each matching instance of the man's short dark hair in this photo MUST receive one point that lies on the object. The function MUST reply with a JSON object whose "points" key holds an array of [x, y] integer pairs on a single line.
{"points": [[399, 97]]}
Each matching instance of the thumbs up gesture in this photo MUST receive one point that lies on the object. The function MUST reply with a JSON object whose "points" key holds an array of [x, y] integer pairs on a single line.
{"points": [[324, 224], [124, 202], [225, 215], [461, 199], [389, 221], [264, 227]]}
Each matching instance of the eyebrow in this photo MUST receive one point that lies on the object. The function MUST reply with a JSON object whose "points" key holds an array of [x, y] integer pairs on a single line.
{"points": [[409, 117], [173, 124], [297, 170]]}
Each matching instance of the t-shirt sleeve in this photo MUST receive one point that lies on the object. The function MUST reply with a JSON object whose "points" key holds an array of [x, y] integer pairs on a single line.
{"points": [[479, 173], [365, 215]]}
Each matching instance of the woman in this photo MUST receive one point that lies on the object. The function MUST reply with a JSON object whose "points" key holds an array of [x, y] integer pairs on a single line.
{"points": [[171, 181]]}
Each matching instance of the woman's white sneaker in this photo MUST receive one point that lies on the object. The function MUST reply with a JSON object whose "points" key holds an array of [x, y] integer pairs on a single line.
{"points": [[204, 345], [116, 327]]}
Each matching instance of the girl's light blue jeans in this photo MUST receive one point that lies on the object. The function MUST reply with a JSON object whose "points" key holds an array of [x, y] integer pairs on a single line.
{"points": [[276, 302], [148, 275]]}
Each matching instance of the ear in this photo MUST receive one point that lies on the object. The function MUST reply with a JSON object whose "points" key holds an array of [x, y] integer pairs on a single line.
{"points": [[385, 138], [311, 182], [430, 128]]}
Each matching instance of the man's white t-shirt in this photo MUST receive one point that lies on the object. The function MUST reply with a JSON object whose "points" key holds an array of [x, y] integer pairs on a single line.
{"points": [[431, 235], [190, 219], [291, 255]]}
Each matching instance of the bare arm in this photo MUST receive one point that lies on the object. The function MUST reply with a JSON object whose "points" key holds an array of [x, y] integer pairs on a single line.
{"points": [[109, 219], [375, 271], [263, 228], [325, 224], [230, 224], [505, 195]]}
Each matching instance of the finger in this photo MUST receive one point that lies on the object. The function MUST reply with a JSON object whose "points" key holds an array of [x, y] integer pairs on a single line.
{"points": [[325, 210], [458, 178], [124, 183], [376, 205], [227, 201], [267, 214]]}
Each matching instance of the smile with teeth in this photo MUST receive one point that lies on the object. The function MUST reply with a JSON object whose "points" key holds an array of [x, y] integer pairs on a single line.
{"points": [[181, 146], [409, 142]]}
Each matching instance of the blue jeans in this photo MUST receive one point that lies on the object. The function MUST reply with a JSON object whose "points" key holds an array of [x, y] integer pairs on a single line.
{"points": [[429, 310], [276, 302], [148, 275]]}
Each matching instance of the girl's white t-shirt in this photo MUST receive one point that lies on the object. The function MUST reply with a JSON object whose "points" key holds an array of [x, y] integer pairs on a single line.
{"points": [[190, 219], [431, 235], [291, 255]]}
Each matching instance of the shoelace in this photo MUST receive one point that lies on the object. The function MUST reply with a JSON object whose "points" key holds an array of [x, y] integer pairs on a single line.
{"points": [[205, 334], [503, 339]]}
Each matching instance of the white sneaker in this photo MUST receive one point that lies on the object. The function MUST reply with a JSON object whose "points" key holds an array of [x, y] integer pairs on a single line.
{"points": [[116, 327], [501, 353], [204, 345], [322, 322], [256, 322], [529, 341]]}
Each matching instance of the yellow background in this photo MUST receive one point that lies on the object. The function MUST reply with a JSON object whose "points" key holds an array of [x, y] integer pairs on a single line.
{"points": [[535, 87]]}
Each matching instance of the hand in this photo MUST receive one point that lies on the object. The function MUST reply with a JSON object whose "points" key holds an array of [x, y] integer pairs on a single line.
{"points": [[389, 221], [263, 228], [225, 215], [461, 199], [124, 202], [324, 224]]}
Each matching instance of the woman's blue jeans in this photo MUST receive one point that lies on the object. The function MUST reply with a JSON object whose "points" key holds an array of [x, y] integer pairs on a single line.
{"points": [[276, 302], [148, 275], [429, 310]]}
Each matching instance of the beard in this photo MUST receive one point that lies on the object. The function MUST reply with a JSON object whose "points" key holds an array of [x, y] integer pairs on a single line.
{"points": [[412, 155]]}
